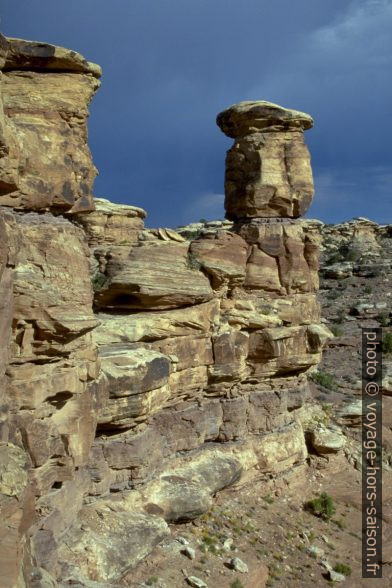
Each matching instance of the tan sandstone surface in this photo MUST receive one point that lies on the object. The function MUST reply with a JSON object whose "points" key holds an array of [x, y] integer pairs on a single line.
{"points": [[142, 373]]}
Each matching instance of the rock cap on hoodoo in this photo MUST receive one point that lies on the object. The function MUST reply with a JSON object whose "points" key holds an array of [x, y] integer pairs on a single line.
{"points": [[252, 116], [22, 54]]}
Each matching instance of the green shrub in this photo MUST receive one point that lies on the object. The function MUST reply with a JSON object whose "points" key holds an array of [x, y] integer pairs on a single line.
{"points": [[268, 499], [340, 317], [97, 281], [192, 262], [335, 258], [191, 235], [368, 289], [322, 506], [237, 584], [353, 255], [324, 379], [342, 568], [387, 343], [384, 319], [337, 331], [333, 295], [151, 581], [209, 543]]}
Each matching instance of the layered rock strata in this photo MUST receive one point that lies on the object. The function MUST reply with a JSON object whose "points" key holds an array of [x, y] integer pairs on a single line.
{"points": [[140, 372], [48, 361], [45, 163]]}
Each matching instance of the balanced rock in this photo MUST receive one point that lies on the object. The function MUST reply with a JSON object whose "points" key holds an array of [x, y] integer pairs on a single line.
{"points": [[268, 172]]}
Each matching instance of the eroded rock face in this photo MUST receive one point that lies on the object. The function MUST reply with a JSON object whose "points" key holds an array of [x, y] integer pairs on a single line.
{"points": [[45, 163], [17, 514], [141, 372], [283, 259], [112, 224], [268, 171], [52, 360], [155, 275], [9, 244]]}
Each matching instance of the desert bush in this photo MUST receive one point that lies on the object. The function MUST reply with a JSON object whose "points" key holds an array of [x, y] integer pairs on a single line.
{"points": [[342, 568], [341, 317], [353, 255], [322, 506], [384, 319], [324, 379], [98, 281], [333, 295], [337, 331], [268, 499], [335, 258], [192, 262], [387, 343]]}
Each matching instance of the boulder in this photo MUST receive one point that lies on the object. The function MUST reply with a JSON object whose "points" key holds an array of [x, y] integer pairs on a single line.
{"points": [[282, 449], [326, 440], [249, 116], [107, 541]]}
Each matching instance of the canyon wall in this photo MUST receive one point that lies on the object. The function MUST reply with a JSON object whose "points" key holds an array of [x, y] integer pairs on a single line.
{"points": [[141, 372]]}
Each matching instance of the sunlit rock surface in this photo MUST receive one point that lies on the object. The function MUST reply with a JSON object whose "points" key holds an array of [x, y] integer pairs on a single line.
{"points": [[141, 370]]}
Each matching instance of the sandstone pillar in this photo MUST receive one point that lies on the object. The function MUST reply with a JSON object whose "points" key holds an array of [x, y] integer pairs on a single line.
{"points": [[45, 162], [268, 185], [268, 171]]}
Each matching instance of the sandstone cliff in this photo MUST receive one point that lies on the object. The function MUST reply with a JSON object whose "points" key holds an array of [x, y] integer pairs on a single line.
{"points": [[141, 372]]}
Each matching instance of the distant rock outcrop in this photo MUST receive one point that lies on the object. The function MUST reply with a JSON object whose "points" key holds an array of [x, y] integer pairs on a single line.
{"points": [[140, 372]]}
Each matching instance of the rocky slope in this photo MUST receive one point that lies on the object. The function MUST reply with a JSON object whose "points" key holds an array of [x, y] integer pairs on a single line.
{"points": [[267, 523], [144, 374]]}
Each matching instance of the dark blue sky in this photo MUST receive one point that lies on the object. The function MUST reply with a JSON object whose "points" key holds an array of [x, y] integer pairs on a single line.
{"points": [[171, 65]]}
